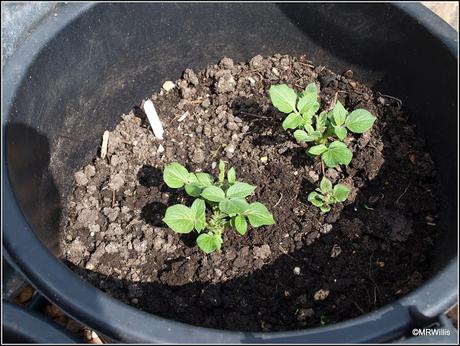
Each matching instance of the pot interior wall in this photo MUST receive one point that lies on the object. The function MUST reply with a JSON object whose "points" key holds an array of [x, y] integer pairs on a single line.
{"points": [[115, 55]]}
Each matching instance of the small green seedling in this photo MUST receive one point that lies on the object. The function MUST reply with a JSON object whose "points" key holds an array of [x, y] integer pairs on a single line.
{"points": [[226, 202], [325, 130], [326, 195]]}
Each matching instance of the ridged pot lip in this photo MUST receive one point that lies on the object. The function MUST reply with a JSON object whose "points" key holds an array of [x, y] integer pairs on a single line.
{"points": [[60, 285]]}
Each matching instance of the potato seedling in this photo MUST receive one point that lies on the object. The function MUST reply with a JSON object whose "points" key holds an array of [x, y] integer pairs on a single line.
{"points": [[217, 205], [326, 195], [325, 130]]}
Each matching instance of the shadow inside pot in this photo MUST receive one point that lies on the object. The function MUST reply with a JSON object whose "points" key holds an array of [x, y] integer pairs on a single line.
{"points": [[28, 155]]}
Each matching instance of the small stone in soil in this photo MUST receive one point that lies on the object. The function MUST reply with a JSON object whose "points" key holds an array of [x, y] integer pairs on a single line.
{"points": [[251, 80], [296, 270], [256, 61], [262, 252], [348, 74], [321, 294], [226, 83], [336, 250], [90, 171], [332, 175], [230, 148], [226, 63], [87, 216], [303, 314], [168, 85], [80, 178], [314, 177], [232, 126], [198, 156], [116, 182], [94, 228], [206, 103], [190, 77]]}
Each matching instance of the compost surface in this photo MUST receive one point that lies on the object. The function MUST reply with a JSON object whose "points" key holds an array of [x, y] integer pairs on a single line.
{"points": [[308, 269]]}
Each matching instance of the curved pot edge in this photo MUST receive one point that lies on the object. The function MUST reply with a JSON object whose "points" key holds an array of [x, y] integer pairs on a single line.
{"points": [[21, 236]]}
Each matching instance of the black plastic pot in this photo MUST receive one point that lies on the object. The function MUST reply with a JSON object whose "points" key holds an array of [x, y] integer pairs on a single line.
{"points": [[80, 69]]}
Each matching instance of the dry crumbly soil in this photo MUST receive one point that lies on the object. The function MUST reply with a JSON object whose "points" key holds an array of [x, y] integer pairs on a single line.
{"points": [[308, 269]]}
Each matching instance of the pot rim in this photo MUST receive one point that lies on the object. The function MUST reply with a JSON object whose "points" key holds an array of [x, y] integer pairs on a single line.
{"points": [[60, 285]]}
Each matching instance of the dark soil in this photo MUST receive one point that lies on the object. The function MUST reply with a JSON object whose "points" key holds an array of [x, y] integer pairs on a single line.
{"points": [[362, 255]]}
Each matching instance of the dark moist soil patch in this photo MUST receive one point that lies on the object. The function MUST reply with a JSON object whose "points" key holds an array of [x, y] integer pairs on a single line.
{"points": [[308, 269]]}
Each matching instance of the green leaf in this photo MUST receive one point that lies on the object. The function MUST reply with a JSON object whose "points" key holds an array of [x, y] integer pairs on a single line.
{"points": [[199, 213], [292, 121], [179, 218], [325, 185], [359, 121], [314, 198], [325, 208], [340, 131], [221, 171], [213, 194], [317, 149], [241, 225], [336, 154], [193, 189], [321, 122], [339, 113], [308, 98], [283, 98], [302, 136], [204, 179], [259, 215], [240, 190], [209, 242], [340, 192], [304, 103], [233, 206], [310, 110], [310, 130], [231, 176], [311, 90], [175, 175]]}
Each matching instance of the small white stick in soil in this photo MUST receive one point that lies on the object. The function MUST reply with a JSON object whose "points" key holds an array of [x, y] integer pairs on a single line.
{"points": [[105, 142], [333, 102], [278, 201], [183, 116], [153, 118]]}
